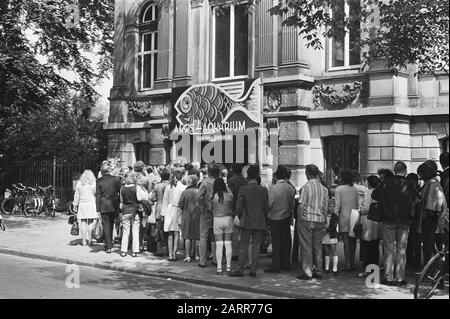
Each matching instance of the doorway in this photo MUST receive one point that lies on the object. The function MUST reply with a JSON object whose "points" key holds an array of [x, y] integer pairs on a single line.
{"points": [[342, 152]]}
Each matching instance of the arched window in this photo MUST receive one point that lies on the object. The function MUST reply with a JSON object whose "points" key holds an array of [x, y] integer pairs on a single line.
{"points": [[148, 46]]}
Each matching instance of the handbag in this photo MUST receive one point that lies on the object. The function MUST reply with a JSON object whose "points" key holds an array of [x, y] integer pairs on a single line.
{"points": [[375, 212], [71, 220], [358, 230], [75, 230]]}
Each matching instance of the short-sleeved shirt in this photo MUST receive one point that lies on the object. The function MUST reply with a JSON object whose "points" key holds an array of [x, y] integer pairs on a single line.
{"points": [[314, 198]]}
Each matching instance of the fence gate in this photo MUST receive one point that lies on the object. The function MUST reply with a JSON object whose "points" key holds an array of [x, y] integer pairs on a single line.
{"points": [[59, 173]]}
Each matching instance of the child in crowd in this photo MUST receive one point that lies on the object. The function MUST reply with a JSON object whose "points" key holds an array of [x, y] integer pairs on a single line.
{"points": [[330, 238]]}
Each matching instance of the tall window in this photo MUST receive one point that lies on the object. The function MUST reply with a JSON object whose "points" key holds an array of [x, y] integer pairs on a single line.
{"points": [[344, 45], [148, 46], [230, 42]]}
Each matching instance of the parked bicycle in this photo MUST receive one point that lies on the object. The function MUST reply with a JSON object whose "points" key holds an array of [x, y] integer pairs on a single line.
{"points": [[29, 201], [14, 201], [48, 200], [435, 272]]}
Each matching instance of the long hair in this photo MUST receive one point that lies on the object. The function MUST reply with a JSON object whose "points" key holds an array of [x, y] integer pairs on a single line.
{"points": [[87, 178], [219, 188], [176, 177]]}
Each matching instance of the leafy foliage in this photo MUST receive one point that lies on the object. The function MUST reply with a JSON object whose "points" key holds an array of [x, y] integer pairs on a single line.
{"points": [[39, 40], [399, 32], [410, 32], [67, 130]]}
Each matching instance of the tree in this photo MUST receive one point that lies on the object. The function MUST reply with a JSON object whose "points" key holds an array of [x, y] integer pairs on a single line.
{"points": [[38, 40], [67, 131]]}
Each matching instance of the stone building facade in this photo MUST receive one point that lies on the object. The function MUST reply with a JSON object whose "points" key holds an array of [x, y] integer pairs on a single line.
{"points": [[320, 106]]}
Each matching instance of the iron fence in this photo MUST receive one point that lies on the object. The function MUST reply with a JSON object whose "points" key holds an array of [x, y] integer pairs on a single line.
{"points": [[62, 174]]}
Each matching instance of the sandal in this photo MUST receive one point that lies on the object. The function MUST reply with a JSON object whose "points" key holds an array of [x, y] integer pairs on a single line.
{"points": [[228, 271], [219, 272], [134, 254], [187, 259], [123, 254], [197, 258]]}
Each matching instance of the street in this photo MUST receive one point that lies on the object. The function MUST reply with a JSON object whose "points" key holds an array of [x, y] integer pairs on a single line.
{"points": [[23, 278]]}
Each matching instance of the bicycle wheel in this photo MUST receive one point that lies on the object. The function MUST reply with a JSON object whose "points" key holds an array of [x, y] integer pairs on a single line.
{"points": [[28, 207], [52, 208], [8, 206], [429, 279]]}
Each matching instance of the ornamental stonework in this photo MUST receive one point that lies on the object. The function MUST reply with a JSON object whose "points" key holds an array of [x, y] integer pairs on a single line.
{"points": [[330, 97]]}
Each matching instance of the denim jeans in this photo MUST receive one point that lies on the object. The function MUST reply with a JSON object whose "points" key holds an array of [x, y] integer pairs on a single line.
{"points": [[206, 232], [310, 238], [395, 239]]}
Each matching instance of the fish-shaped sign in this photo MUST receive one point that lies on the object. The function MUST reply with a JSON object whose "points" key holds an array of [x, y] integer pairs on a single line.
{"points": [[205, 104]]}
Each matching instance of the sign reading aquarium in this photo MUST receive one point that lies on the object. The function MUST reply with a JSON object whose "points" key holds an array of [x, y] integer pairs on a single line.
{"points": [[209, 109]]}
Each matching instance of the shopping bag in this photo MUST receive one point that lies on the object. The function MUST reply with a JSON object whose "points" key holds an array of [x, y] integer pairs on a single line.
{"points": [[75, 230], [354, 217], [97, 231], [141, 193]]}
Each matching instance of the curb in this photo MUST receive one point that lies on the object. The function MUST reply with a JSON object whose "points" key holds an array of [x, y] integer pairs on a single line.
{"points": [[229, 286]]}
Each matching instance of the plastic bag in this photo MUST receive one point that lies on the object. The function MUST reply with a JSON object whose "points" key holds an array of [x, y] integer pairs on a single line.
{"points": [[97, 231]]}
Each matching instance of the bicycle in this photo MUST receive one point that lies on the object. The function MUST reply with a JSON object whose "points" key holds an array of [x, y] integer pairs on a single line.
{"points": [[14, 201], [435, 272], [32, 203], [49, 202]]}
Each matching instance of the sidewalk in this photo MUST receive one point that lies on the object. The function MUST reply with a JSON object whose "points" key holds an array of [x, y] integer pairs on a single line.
{"points": [[50, 239]]}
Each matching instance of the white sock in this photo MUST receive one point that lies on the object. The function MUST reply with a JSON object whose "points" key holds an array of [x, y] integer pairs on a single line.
{"points": [[327, 263], [219, 252], [228, 253], [335, 262]]}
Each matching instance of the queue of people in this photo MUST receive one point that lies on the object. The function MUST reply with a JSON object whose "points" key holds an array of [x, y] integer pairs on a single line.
{"points": [[218, 214]]}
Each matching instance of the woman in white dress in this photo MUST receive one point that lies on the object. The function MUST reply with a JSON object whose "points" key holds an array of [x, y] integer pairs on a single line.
{"points": [[84, 202], [172, 213]]}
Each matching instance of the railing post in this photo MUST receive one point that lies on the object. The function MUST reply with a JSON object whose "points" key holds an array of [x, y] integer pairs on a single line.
{"points": [[54, 176]]}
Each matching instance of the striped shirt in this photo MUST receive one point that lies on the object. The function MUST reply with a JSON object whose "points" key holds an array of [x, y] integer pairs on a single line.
{"points": [[314, 199]]}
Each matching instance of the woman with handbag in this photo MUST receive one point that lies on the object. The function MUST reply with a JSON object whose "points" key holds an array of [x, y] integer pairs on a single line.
{"points": [[370, 240], [130, 219], [85, 203]]}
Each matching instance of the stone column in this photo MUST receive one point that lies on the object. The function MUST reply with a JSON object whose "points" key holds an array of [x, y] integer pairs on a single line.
{"points": [[294, 151], [182, 56], [266, 39], [165, 48]]}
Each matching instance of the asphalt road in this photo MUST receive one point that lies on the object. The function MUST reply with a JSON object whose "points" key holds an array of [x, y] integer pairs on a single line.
{"points": [[24, 278]]}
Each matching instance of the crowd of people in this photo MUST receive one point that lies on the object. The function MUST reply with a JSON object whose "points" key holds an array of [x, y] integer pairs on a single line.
{"points": [[224, 214]]}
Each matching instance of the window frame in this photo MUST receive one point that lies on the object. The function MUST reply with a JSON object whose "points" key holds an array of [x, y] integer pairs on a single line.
{"points": [[347, 65], [232, 46], [148, 27], [141, 54]]}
